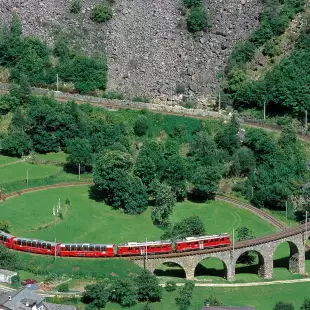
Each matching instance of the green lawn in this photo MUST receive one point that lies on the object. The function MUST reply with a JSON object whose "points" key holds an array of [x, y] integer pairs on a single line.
{"points": [[91, 221], [59, 157], [7, 159]]}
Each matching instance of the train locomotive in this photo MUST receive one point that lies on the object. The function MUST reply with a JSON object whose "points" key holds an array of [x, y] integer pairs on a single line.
{"points": [[111, 250]]}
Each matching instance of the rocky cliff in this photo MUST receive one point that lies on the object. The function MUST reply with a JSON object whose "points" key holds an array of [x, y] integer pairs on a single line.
{"points": [[150, 52]]}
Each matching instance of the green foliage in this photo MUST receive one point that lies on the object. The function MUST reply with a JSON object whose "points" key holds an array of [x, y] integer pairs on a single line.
{"points": [[244, 233], [7, 103], [191, 226], [170, 286], [113, 95], [96, 295], [101, 13], [164, 201], [198, 19], [15, 281], [212, 301], [75, 6], [191, 3], [183, 301], [16, 144], [61, 47], [271, 49], [124, 291], [148, 287], [5, 226], [305, 304], [141, 125], [63, 287], [243, 162], [283, 306], [145, 169], [8, 259], [80, 153]]}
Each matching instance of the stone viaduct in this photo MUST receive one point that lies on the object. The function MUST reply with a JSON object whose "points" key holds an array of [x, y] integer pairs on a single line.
{"points": [[264, 247]]}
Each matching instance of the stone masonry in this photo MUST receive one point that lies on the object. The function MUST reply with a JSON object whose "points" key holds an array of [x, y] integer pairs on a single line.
{"points": [[229, 258]]}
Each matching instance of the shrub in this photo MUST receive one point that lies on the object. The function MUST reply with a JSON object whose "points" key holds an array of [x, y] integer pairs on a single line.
{"points": [[101, 13], [180, 89], [113, 95], [170, 286], [191, 3], [271, 49], [197, 19], [141, 99], [141, 125], [75, 7], [63, 287], [15, 280]]}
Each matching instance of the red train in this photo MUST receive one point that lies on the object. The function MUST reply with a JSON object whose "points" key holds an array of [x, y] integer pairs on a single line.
{"points": [[111, 250]]}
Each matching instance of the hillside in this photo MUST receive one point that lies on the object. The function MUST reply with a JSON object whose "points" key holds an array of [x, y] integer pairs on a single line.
{"points": [[150, 52]]}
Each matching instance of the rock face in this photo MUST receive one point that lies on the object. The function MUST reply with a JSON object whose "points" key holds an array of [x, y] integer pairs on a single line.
{"points": [[150, 52]]}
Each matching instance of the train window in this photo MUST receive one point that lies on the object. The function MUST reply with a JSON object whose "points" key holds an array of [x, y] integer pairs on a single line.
{"points": [[85, 247], [28, 243], [73, 247], [79, 248], [136, 248], [67, 246], [97, 248], [91, 248], [33, 244], [130, 248], [48, 245], [24, 242], [19, 242], [43, 245], [196, 242], [103, 248], [38, 244]]}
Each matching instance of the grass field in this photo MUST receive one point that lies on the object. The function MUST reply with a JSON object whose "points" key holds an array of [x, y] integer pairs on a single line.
{"points": [[91, 221], [59, 157], [6, 159]]}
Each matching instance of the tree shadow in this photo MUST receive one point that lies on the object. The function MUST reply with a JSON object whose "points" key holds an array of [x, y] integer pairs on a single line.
{"points": [[195, 196], [283, 262], [174, 271], [201, 270], [95, 194]]}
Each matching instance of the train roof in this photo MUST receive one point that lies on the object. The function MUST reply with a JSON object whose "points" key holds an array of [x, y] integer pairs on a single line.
{"points": [[146, 243], [198, 238], [93, 244], [36, 240], [2, 233]]}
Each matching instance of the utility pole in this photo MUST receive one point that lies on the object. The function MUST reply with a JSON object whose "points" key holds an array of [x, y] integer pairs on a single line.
{"points": [[306, 120], [27, 177], [233, 242], [57, 82], [264, 110], [220, 101], [252, 193], [79, 171], [286, 210]]}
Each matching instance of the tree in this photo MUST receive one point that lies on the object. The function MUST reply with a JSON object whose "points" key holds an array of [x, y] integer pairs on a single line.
{"points": [[183, 301], [244, 233], [191, 226], [8, 259], [97, 295], [124, 291], [206, 181], [170, 286], [164, 200], [145, 169], [243, 162], [141, 125], [148, 287], [306, 304], [79, 153], [7, 103], [212, 301], [16, 144], [283, 306], [5, 226]]}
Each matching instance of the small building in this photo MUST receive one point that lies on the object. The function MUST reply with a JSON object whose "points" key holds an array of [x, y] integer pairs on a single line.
{"points": [[28, 299], [7, 275], [226, 308]]}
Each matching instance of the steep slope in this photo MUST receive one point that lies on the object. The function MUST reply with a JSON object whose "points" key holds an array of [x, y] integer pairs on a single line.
{"points": [[149, 50]]}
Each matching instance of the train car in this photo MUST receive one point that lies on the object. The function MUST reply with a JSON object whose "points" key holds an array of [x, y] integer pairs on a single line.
{"points": [[86, 250], [35, 246], [135, 248], [202, 242], [6, 239]]}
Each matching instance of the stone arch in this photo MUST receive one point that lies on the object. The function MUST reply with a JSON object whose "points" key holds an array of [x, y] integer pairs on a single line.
{"points": [[259, 267], [295, 258], [215, 270], [170, 269]]}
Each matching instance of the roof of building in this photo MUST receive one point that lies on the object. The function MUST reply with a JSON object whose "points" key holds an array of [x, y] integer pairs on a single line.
{"points": [[8, 272], [226, 308], [49, 306], [22, 299]]}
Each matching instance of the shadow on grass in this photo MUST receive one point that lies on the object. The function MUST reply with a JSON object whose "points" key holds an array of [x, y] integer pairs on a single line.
{"points": [[172, 270], [204, 271]]}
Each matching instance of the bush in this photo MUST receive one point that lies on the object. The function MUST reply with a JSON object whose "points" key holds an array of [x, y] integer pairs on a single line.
{"points": [[113, 95], [197, 19], [141, 125], [15, 280], [75, 7], [271, 49], [101, 13], [180, 89], [191, 3], [170, 286], [141, 99], [63, 287]]}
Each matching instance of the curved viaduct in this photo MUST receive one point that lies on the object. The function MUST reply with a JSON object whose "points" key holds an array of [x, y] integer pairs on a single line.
{"points": [[265, 247]]}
